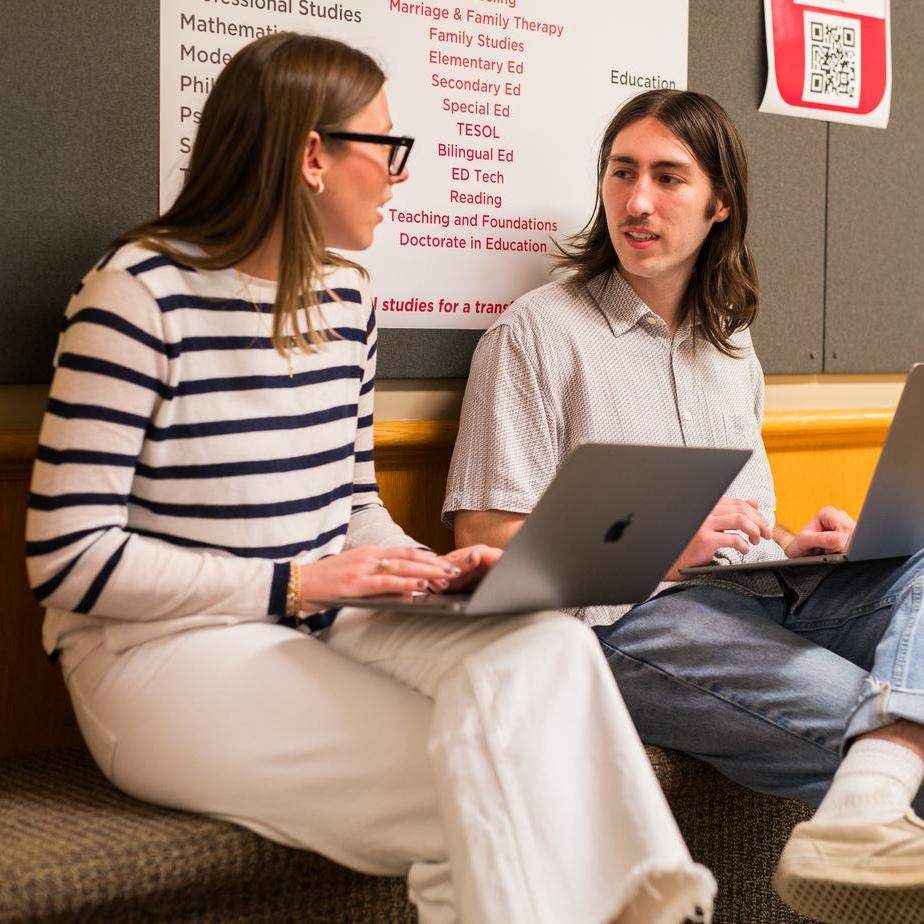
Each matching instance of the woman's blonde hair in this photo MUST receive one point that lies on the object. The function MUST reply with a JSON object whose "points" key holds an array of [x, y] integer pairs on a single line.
{"points": [[245, 171]]}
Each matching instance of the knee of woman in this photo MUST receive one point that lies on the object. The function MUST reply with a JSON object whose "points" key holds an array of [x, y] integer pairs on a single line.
{"points": [[552, 630], [533, 658], [513, 644]]}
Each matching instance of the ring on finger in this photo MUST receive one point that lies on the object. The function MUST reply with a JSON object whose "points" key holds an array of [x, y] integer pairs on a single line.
{"points": [[384, 566]]}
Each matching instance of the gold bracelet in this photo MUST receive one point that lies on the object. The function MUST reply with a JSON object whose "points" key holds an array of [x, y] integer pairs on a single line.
{"points": [[294, 591]]}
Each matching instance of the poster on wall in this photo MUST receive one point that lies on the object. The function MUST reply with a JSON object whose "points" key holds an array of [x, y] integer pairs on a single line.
{"points": [[829, 59], [506, 99]]}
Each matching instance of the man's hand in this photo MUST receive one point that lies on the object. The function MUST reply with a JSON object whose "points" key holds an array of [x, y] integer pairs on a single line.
{"points": [[720, 529], [369, 570], [828, 533], [472, 562]]}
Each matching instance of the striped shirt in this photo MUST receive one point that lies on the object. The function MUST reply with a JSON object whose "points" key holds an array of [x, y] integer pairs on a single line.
{"points": [[183, 462], [567, 365]]}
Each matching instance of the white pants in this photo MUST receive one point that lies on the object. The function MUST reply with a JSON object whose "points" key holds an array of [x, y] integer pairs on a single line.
{"points": [[490, 760]]}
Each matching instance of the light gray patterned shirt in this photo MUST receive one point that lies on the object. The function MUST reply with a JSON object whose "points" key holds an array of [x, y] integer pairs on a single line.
{"points": [[570, 364]]}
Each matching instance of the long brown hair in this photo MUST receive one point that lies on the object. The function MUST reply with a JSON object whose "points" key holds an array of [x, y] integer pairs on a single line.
{"points": [[245, 171], [723, 290]]}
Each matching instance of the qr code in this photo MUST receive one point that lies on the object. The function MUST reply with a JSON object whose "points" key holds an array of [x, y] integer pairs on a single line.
{"points": [[832, 59]]}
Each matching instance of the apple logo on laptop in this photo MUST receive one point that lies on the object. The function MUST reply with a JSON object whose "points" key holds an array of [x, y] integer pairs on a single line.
{"points": [[614, 533]]}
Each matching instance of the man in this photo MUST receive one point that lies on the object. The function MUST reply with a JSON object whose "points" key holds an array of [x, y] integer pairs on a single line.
{"points": [[768, 676]]}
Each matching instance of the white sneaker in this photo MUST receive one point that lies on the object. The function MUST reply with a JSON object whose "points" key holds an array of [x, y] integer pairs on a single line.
{"points": [[855, 874]]}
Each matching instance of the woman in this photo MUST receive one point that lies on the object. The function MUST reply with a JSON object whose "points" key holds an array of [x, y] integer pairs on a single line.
{"points": [[205, 472]]}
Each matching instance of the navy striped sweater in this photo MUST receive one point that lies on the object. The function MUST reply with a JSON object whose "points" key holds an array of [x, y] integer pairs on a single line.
{"points": [[182, 462]]}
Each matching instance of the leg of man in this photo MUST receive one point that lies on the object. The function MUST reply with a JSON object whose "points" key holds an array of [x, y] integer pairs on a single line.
{"points": [[552, 812], [872, 613], [862, 856], [712, 672]]}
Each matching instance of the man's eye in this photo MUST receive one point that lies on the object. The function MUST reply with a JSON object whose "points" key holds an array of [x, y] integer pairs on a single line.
{"points": [[621, 173], [671, 180]]}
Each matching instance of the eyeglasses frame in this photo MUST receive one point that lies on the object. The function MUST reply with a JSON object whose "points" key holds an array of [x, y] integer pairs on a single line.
{"points": [[400, 147]]}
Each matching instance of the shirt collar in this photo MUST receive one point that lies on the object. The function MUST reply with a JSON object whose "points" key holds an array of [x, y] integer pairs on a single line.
{"points": [[621, 306]]}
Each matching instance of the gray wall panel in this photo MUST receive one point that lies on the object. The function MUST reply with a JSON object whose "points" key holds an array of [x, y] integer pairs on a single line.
{"points": [[787, 159], [78, 145], [425, 354], [875, 299]]}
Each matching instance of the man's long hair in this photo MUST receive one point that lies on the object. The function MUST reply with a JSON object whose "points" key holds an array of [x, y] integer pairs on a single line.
{"points": [[245, 172], [723, 292]]}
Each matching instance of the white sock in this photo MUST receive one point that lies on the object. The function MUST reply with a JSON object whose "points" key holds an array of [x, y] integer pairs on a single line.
{"points": [[874, 784]]}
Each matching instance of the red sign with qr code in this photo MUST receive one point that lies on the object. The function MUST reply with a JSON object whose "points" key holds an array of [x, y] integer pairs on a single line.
{"points": [[829, 59]]}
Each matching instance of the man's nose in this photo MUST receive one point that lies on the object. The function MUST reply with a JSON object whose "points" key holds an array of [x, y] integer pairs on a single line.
{"points": [[640, 198]]}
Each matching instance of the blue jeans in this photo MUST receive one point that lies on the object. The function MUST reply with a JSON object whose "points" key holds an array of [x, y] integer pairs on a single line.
{"points": [[768, 693]]}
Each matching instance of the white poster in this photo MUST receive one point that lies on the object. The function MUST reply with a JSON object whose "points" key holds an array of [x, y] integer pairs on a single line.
{"points": [[507, 100], [829, 59]]}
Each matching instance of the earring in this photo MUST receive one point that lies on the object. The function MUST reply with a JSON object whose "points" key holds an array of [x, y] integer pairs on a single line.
{"points": [[317, 190]]}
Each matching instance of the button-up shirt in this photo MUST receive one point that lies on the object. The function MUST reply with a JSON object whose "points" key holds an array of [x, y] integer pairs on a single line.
{"points": [[569, 364]]}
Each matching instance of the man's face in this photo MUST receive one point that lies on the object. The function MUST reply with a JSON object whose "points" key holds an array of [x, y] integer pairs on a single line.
{"points": [[659, 203]]}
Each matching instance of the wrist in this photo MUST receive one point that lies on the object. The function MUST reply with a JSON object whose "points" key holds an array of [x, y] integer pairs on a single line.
{"points": [[300, 592], [783, 537], [294, 591]]}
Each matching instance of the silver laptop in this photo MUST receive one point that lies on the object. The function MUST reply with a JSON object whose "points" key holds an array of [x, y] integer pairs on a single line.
{"points": [[606, 531], [891, 523]]}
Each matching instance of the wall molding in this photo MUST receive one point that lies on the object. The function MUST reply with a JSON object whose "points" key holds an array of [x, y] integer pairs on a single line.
{"points": [[783, 430], [826, 429]]}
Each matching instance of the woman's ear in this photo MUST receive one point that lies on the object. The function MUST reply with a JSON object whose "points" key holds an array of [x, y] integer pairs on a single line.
{"points": [[314, 162]]}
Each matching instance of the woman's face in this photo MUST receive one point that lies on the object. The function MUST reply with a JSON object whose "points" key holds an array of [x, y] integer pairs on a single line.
{"points": [[356, 180]]}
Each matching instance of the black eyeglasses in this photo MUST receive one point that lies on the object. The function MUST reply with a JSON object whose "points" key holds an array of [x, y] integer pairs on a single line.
{"points": [[397, 156]]}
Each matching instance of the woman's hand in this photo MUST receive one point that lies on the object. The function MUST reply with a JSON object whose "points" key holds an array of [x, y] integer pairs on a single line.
{"points": [[472, 562], [370, 570]]}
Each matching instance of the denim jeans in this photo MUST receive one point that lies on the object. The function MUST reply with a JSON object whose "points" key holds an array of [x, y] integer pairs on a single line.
{"points": [[769, 693]]}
